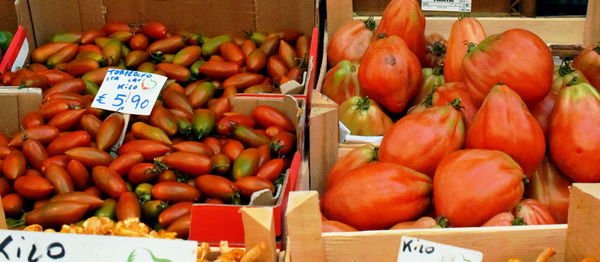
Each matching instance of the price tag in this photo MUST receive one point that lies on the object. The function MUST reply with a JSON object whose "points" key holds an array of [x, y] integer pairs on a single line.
{"points": [[129, 92], [419, 250], [17, 246], [446, 5]]}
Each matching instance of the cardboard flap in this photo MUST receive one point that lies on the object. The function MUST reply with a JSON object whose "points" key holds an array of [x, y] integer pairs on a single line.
{"points": [[16, 103]]}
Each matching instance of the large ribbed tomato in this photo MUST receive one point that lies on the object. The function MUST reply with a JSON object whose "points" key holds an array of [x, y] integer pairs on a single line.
{"points": [[404, 18], [473, 185], [464, 30], [350, 41], [364, 117], [533, 212], [564, 75], [551, 188], [445, 94], [390, 73], [341, 82], [431, 78], [588, 62], [421, 140], [504, 123], [377, 196], [494, 61], [574, 141], [356, 158]]}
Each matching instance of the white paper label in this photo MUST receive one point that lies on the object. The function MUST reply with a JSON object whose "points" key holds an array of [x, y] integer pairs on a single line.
{"points": [[21, 56], [419, 250], [17, 246], [446, 5], [129, 92]]}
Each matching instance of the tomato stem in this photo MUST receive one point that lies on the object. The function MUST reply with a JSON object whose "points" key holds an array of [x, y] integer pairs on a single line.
{"points": [[470, 47], [456, 104], [462, 15], [525, 180], [381, 36], [443, 222], [518, 221], [363, 104], [597, 48], [370, 23], [236, 199], [375, 156], [565, 67], [428, 102]]}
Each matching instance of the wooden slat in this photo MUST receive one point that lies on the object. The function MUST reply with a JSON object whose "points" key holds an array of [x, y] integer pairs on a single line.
{"points": [[496, 243], [259, 227], [592, 23], [563, 30], [303, 226], [584, 222], [323, 144]]}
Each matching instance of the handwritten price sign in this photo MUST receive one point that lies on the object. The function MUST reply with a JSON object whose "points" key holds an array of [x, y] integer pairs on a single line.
{"points": [[419, 250], [129, 92]]}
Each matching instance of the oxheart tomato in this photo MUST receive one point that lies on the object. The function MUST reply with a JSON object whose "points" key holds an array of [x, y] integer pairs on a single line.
{"points": [[350, 41], [390, 73], [404, 18], [407, 195], [503, 219], [533, 212], [446, 94], [504, 123], [336, 226], [423, 222], [588, 62], [357, 157], [473, 185], [341, 82], [421, 140], [464, 30], [364, 117], [573, 147], [551, 188], [564, 76], [531, 78]]}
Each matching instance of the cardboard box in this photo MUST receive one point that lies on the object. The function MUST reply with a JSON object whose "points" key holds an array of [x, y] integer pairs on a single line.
{"points": [[212, 223], [42, 18], [8, 16], [16, 103]]}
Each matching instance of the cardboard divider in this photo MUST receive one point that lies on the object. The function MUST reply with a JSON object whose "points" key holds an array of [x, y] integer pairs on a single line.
{"points": [[16, 103]]}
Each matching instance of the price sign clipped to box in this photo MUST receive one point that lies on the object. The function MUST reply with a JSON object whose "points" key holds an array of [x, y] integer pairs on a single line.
{"points": [[17, 246], [129, 92], [419, 250], [446, 5]]}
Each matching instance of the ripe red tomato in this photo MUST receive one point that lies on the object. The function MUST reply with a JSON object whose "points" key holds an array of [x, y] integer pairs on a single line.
{"points": [[79, 174], [421, 140], [92, 201], [216, 187], [351, 202], [390, 73], [128, 207], [403, 18], [190, 163], [14, 165], [174, 212], [471, 186], [12, 204], [148, 148], [154, 30], [109, 131], [336, 226], [250, 184], [56, 214], [350, 41], [34, 187], [35, 153], [446, 94], [533, 212], [68, 141], [108, 181], [531, 78], [504, 123], [502, 219], [60, 179], [588, 62], [271, 170], [573, 148], [551, 188], [464, 30], [89, 156], [356, 158]]}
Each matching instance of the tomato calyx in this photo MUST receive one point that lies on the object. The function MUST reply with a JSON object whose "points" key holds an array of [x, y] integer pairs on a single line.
{"points": [[525, 180], [157, 57], [363, 104], [181, 177], [381, 36], [13, 223], [597, 48], [456, 104], [575, 80], [471, 47], [236, 199], [518, 221], [565, 66], [443, 221], [428, 102], [375, 156], [462, 15], [370, 23]]}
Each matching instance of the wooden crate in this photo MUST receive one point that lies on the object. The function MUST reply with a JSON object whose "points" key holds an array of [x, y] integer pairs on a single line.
{"points": [[323, 118], [572, 242]]}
